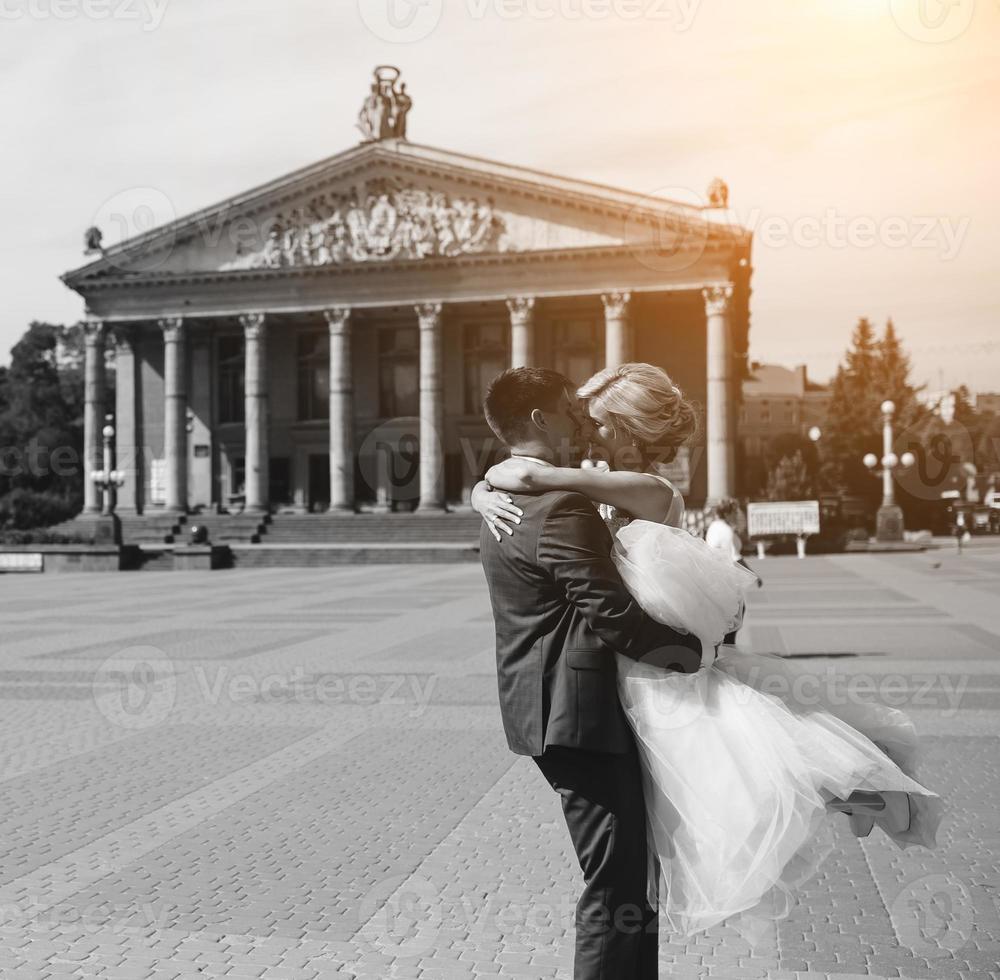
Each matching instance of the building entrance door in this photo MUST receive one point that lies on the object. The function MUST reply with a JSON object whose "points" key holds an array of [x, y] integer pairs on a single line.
{"points": [[319, 481]]}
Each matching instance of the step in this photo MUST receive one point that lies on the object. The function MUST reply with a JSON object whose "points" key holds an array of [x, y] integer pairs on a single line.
{"points": [[317, 555], [161, 557], [375, 528]]}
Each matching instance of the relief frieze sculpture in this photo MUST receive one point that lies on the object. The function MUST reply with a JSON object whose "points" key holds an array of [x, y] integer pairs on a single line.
{"points": [[386, 221]]}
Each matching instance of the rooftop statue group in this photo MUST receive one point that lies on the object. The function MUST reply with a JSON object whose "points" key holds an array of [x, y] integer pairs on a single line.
{"points": [[383, 115]]}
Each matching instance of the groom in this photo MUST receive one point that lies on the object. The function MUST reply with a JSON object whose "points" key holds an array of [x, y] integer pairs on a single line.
{"points": [[561, 613]]}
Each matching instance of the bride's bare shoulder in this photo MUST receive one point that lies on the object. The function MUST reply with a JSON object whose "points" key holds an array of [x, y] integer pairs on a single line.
{"points": [[675, 512]]}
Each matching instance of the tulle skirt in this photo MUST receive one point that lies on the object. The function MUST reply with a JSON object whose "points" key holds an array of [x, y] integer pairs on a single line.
{"points": [[740, 758]]}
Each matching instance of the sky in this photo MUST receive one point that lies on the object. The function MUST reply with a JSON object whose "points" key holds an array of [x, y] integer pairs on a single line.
{"points": [[859, 138]]}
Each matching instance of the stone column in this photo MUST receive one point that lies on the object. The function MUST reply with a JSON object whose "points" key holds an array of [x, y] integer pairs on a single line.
{"points": [[93, 411], [341, 410], [522, 331], [175, 448], [431, 408], [617, 329], [256, 458], [721, 434], [127, 450]]}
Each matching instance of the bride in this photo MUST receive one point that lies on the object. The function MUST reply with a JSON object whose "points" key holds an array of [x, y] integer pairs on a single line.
{"points": [[741, 770]]}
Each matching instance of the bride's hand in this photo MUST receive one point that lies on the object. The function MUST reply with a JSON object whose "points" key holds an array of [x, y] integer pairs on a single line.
{"points": [[515, 475], [497, 508]]}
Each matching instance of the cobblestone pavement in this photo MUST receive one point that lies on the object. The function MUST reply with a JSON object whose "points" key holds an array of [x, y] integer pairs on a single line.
{"points": [[301, 773]]}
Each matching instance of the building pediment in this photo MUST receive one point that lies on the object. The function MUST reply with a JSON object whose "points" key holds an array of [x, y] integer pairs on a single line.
{"points": [[397, 202]]}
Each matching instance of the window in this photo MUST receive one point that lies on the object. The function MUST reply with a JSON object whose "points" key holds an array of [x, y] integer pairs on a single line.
{"points": [[765, 414], [314, 375], [579, 348], [398, 372], [231, 391], [485, 349]]}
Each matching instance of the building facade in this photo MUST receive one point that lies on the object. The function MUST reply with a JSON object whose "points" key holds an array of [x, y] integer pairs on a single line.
{"points": [[323, 342], [777, 403]]}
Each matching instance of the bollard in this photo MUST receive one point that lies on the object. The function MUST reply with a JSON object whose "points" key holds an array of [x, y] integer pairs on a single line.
{"points": [[800, 545]]}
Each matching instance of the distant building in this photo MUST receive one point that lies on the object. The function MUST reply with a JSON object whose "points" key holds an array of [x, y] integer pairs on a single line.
{"points": [[779, 401], [988, 402]]}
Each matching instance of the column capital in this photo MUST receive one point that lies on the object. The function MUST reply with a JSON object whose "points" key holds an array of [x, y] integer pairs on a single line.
{"points": [[521, 308], [94, 331], [172, 327], [429, 315], [616, 304], [717, 298], [253, 325], [338, 319], [124, 338]]}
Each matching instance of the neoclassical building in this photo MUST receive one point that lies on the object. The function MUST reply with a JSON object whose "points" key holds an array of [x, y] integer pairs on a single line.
{"points": [[323, 342]]}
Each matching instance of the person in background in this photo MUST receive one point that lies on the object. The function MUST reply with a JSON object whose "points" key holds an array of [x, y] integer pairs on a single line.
{"points": [[721, 535]]}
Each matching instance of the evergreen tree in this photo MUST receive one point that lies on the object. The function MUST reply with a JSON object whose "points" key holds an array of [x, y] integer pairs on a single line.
{"points": [[852, 426], [873, 371], [892, 378]]}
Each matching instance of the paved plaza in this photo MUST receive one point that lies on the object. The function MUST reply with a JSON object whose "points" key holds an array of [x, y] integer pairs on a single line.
{"points": [[301, 773]]}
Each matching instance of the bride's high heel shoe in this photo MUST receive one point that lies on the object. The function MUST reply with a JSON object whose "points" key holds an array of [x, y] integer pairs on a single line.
{"points": [[896, 816], [891, 810]]}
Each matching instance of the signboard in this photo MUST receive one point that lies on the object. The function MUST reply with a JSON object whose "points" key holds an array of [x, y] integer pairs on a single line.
{"points": [[783, 517], [21, 561], [158, 481]]}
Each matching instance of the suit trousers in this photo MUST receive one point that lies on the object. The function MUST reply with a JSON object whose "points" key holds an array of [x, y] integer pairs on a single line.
{"points": [[602, 801]]}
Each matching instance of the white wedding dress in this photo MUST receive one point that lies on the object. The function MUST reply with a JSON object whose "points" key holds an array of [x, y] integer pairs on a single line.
{"points": [[740, 758]]}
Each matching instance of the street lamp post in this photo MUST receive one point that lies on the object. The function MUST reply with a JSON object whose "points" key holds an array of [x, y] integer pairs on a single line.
{"points": [[889, 523], [107, 481]]}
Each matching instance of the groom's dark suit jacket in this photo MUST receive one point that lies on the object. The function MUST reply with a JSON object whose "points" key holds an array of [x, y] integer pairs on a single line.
{"points": [[561, 614]]}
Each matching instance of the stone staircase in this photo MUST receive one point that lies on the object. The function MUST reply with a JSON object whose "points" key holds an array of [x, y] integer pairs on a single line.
{"points": [[305, 540], [381, 529]]}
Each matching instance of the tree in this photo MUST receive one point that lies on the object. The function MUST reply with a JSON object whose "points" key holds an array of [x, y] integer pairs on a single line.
{"points": [[41, 432], [892, 378], [874, 370], [852, 418], [790, 480]]}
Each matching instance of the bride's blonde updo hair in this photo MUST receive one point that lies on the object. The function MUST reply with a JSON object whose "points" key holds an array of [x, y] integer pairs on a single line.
{"points": [[642, 401]]}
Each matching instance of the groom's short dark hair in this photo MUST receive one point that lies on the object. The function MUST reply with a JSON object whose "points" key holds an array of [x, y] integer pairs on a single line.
{"points": [[513, 395]]}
